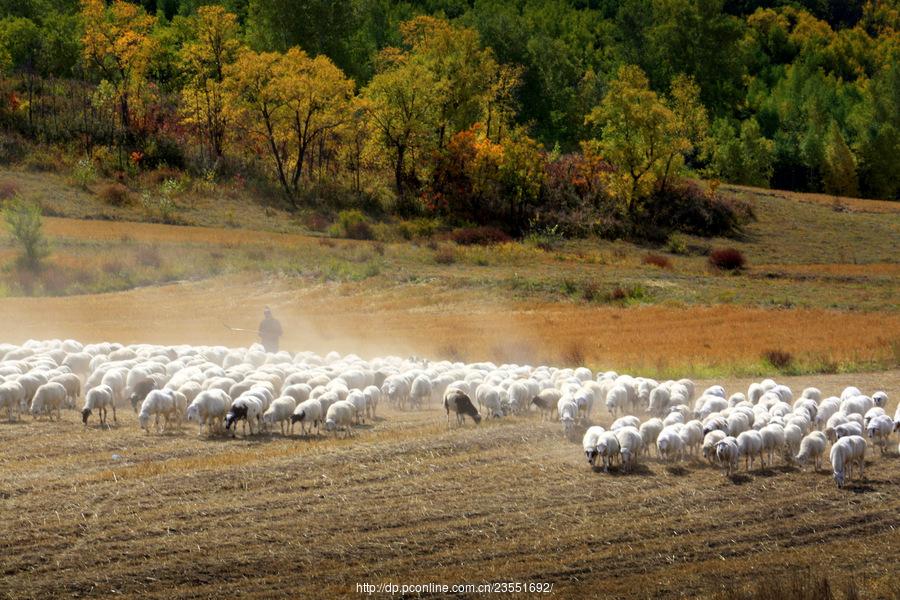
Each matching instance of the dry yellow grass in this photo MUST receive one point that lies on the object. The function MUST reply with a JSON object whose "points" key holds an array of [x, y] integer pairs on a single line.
{"points": [[851, 204], [415, 319], [109, 513]]}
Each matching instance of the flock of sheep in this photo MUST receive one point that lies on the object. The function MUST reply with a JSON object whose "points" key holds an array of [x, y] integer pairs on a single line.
{"points": [[765, 423], [218, 388]]}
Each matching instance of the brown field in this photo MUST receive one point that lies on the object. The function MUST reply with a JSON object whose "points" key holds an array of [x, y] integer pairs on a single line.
{"points": [[440, 322], [101, 513]]}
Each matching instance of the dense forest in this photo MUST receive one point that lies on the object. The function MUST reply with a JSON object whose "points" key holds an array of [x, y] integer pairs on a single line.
{"points": [[574, 112]]}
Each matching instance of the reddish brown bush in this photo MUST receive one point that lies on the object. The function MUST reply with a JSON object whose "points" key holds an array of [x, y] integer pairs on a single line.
{"points": [[114, 194], [8, 189], [727, 259], [779, 358], [480, 236], [657, 260]]}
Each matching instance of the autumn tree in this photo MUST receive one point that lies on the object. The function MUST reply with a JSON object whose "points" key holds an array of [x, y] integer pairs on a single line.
{"points": [[117, 44], [203, 61], [289, 101], [639, 134]]}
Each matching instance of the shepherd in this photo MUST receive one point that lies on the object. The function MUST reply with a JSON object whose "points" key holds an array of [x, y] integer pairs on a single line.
{"points": [[269, 331]]}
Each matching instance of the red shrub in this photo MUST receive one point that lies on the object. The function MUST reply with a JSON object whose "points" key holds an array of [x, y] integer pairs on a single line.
{"points": [[481, 236], [657, 260], [727, 259]]}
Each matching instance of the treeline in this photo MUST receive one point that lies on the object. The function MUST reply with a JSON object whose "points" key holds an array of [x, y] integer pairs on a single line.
{"points": [[575, 112]]}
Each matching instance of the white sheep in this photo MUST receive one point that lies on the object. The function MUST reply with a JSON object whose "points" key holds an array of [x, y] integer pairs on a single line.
{"points": [[880, 399], [568, 413], [709, 444], [419, 391], [12, 396], [879, 431], [547, 401], [47, 398], [630, 446], [589, 443], [626, 421], [848, 429], [310, 412], [340, 416], [691, 436], [811, 448], [793, 436], [669, 445], [728, 454], [158, 403], [100, 399], [280, 411], [650, 432], [608, 449], [373, 396], [844, 453], [358, 399], [208, 409], [750, 445], [488, 398], [616, 399], [772, 440]]}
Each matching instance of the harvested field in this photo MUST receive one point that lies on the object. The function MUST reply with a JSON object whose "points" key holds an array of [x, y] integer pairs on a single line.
{"points": [[98, 513]]}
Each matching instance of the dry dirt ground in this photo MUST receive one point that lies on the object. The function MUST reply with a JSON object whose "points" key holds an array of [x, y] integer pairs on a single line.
{"points": [[100, 513], [441, 321]]}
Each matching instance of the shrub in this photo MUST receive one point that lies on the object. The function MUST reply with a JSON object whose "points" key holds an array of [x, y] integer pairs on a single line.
{"points": [[727, 259], [148, 256], [8, 189], [778, 358], [115, 194], [445, 256], [657, 260], [481, 236], [590, 291], [160, 208], [84, 173], [24, 222], [689, 207], [676, 244], [417, 228], [42, 161], [547, 239], [352, 224], [634, 293]]}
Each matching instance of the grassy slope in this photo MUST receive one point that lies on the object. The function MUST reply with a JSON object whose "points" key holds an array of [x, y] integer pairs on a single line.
{"points": [[537, 305]]}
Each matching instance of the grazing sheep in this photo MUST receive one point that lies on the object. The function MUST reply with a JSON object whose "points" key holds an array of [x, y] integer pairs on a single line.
{"points": [[547, 401], [159, 403], [728, 454], [879, 431], [650, 432], [630, 446], [856, 405], [691, 436], [310, 412], [844, 453], [208, 409], [459, 402], [420, 391], [812, 447], [616, 399], [101, 399], [880, 399], [669, 445], [72, 383], [340, 416], [709, 444], [244, 408], [140, 391], [659, 401], [280, 411], [627, 421], [793, 436], [589, 443], [12, 396], [750, 445], [47, 398], [373, 396], [847, 429], [772, 439], [488, 398]]}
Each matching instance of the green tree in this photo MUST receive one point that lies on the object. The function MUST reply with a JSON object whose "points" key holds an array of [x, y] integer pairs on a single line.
{"points": [[745, 157], [23, 219], [839, 172]]}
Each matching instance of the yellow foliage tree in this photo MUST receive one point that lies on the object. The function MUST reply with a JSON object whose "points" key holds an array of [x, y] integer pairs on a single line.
{"points": [[117, 43], [216, 45]]}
